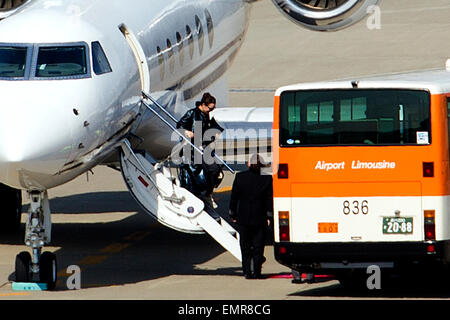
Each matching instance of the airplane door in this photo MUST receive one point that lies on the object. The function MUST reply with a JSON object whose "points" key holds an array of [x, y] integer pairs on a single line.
{"points": [[139, 55]]}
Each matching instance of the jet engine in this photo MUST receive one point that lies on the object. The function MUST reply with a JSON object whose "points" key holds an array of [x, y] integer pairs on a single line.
{"points": [[325, 15], [8, 7]]}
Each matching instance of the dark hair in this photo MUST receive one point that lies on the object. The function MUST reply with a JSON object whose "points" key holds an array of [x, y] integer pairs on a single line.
{"points": [[256, 163], [197, 104], [208, 99]]}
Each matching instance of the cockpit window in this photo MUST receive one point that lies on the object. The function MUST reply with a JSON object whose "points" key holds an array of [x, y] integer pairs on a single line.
{"points": [[100, 62], [61, 61], [12, 61]]}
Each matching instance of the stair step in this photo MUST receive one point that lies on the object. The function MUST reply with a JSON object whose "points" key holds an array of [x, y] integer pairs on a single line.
{"points": [[154, 191]]}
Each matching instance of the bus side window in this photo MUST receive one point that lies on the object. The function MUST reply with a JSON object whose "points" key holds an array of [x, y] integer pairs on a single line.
{"points": [[291, 124], [312, 113]]}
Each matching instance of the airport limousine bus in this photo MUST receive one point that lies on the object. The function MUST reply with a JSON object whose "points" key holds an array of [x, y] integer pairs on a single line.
{"points": [[363, 173]]}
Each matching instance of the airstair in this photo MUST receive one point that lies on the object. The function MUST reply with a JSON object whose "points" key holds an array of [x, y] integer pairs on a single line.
{"points": [[155, 188]]}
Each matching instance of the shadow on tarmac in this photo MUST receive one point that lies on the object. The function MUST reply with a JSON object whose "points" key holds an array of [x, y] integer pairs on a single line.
{"points": [[134, 249], [404, 287], [137, 249], [95, 202]]}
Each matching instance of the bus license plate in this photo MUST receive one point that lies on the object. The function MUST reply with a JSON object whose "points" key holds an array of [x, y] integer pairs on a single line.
{"points": [[328, 227], [397, 225]]}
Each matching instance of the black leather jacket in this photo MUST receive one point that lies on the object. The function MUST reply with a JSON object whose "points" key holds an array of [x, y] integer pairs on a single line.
{"points": [[192, 117]]}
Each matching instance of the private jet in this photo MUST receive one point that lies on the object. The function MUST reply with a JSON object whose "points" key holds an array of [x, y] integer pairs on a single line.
{"points": [[96, 82]]}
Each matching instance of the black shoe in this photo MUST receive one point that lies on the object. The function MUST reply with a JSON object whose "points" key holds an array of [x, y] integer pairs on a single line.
{"points": [[250, 276], [259, 276]]}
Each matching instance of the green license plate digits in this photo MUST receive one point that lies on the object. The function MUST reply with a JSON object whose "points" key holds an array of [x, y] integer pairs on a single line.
{"points": [[397, 225]]}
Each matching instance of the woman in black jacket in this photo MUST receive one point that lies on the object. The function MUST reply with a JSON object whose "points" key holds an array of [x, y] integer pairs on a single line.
{"points": [[197, 121]]}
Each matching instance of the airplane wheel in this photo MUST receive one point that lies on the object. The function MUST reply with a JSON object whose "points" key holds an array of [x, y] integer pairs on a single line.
{"points": [[48, 270], [23, 261], [12, 208]]}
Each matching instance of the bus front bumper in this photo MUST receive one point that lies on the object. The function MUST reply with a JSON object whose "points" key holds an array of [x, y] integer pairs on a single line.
{"points": [[359, 255]]}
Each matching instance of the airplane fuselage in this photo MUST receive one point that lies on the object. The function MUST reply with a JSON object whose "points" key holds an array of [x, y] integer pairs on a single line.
{"points": [[59, 120]]}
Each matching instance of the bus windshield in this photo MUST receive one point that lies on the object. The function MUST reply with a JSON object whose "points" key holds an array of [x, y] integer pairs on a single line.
{"points": [[12, 61], [354, 117]]}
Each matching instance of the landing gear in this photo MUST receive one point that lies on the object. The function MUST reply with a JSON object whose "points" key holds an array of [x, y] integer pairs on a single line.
{"points": [[47, 270], [12, 210], [23, 263], [37, 267]]}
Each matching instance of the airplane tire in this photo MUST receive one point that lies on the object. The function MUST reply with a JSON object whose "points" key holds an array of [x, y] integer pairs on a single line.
{"points": [[12, 209], [22, 268], [48, 270]]}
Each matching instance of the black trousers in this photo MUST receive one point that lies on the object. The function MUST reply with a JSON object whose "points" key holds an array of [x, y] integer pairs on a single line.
{"points": [[212, 172], [252, 241]]}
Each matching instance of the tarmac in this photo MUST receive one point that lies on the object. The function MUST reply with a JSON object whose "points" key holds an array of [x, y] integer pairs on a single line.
{"points": [[123, 254]]}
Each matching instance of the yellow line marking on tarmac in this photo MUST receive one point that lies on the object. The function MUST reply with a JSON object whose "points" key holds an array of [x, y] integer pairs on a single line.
{"points": [[132, 236], [14, 294], [223, 190], [109, 250], [115, 247], [92, 260], [137, 236], [62, 273]]}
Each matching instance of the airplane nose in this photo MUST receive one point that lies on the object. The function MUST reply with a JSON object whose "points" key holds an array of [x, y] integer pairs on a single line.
{"points": [[12, 143], [35, 143]]}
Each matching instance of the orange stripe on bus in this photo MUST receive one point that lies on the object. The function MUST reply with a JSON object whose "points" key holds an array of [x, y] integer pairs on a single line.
{"points": [[276, 110], [356, 189], [334, 171]]}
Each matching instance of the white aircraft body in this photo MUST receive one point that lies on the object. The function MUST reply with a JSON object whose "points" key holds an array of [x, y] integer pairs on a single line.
{"points": [[72, 78], [52, 103]]}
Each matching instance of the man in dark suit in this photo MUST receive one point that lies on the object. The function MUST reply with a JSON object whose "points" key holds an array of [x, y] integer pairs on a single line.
{"points": [[251, 206]]}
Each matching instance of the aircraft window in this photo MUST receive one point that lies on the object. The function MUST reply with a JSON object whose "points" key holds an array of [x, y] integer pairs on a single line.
{"points": [[210, 26], [12, 61], [180, 47], [161, 62], [200, 38], [66, 61], [170, 53], [100, 61], [190, 39]]}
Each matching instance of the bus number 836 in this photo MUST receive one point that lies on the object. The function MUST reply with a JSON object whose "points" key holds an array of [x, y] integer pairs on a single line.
{"points": [[355, 207]]}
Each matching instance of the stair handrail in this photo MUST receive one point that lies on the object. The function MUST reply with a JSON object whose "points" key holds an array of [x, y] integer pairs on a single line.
{"points": [[174, 129]]}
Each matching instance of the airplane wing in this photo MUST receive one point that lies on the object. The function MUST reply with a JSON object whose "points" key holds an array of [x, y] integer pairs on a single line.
{"points": [[247, 131]]}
